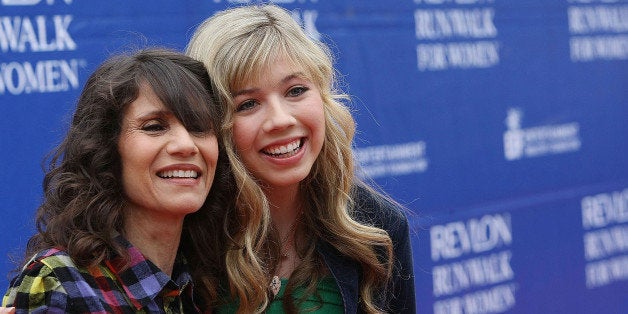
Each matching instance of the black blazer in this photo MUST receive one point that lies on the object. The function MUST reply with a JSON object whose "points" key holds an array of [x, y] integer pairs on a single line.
{"points": [[371, 209]]}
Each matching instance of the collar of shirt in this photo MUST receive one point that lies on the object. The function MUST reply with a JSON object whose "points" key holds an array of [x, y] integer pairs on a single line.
{"points": [[144, 282]]}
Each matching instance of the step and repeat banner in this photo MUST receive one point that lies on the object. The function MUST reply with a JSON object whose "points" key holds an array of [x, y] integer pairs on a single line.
{"points": [[501, 125]]}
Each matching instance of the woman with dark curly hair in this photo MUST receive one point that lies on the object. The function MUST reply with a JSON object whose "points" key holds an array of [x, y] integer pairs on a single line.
{"points": [[127, 194]]}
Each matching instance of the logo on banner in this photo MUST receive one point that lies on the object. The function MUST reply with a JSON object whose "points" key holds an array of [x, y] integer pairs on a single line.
{"points": [[391, 160], [605, 226], [538, 141], [514, 138], [472, 271], [598, 29], [31, 36], [455, 35]]}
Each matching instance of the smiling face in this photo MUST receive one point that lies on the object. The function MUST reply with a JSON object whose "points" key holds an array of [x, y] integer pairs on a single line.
{"points": [[167, 170], [279, 125]]}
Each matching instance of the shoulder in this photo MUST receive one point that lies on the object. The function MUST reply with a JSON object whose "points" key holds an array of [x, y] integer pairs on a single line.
{"points": [[37, 286], [380, 211], [55, 258], [46, 263], [375, 209]]}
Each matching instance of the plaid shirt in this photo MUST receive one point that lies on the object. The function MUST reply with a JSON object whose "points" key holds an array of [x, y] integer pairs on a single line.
{"points": [[51, 283]]}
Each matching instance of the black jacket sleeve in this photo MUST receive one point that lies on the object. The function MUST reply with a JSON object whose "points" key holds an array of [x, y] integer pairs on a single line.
{"points": [[372, 209]]}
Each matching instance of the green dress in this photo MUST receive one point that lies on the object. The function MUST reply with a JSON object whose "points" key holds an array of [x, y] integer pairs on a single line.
{"points": [[327, 290]]}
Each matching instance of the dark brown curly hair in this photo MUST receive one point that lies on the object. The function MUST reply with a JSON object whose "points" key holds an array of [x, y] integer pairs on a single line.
{"points": [[83, 198]]}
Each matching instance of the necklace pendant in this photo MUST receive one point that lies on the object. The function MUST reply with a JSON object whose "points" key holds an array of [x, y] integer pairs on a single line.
{"points": [[275, 285]]}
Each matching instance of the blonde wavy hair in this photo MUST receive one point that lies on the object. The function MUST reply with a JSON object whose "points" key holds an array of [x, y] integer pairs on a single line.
{"points": [[237, 45]]}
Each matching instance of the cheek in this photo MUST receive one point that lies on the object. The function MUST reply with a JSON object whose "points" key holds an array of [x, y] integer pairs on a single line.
{"points": [[209, 148], [316, 124], [128, 159], [133, 184], [316, 118], [243, 135]]}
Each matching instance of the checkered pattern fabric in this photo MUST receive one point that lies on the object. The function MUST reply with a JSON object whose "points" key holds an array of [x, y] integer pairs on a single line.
{"points": [[52, 283]]}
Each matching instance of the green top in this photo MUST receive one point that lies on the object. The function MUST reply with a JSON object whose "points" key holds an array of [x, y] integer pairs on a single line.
{"points": [[326, 289]]}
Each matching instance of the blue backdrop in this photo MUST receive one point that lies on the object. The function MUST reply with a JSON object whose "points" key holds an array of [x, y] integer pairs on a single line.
{"points": [[500, 124]]}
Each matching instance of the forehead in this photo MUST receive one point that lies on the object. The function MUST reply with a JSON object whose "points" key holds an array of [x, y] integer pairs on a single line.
{"points": [[277, 68], [146, 101]]}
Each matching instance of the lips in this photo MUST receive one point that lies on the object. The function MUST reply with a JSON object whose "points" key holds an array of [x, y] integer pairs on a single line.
{"points": [[171, 174], [284, 151]]}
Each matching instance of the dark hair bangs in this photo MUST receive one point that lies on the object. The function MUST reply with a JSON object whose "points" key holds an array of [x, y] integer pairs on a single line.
{"points": [[181, 93]]}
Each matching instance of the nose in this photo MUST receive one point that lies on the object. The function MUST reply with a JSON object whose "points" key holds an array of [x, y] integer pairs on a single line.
{"points": [[278, 115], [181, 142]]}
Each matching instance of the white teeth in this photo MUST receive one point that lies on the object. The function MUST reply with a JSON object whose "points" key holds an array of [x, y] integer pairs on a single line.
{"points": [[284, 149], [178, 174]]}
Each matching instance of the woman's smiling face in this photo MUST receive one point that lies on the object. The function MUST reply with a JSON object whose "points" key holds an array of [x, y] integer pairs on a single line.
{"points": [[279, 125], [166, 168]]}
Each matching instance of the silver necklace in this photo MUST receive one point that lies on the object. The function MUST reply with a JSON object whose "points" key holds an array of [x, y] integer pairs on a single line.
{"points": [[275, 282]]}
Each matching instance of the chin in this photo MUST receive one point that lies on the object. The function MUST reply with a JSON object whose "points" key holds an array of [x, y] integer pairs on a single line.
{"points": [[289, 181], [190, 207]]}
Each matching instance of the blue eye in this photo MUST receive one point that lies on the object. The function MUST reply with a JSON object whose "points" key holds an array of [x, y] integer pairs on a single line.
{"points": [[246, 105], [297, 91]]}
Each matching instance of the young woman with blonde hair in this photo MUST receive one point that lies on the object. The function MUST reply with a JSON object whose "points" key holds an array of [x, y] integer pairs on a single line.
{"points": [[308, 234]]}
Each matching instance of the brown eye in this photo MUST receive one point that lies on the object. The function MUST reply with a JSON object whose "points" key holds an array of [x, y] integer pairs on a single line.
{"points": [[154, 126], [200, 131]]}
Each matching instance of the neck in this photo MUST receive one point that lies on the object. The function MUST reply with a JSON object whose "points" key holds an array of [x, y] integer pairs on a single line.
{"points": [[285, 207], [157, 238]]}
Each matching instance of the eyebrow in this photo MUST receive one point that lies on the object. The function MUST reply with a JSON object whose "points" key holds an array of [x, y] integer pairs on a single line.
{"points": [[158, 113], [283, 81]]}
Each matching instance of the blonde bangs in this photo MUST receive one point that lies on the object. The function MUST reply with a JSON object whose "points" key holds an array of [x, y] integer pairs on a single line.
{"points": [[259, 51]]}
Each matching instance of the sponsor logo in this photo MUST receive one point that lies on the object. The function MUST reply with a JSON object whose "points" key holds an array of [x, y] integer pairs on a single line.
{"points": [[599, 30], [473, 271], [391, 160], [605, 238], [538, 141], [38, 34], [458, 34]]}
